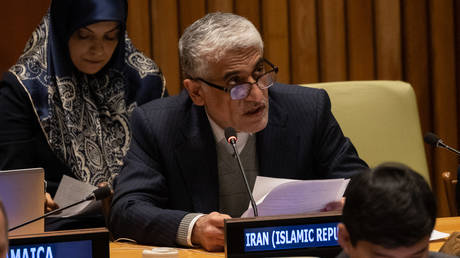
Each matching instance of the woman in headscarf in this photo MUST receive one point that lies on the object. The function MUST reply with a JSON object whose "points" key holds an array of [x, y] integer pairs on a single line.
{"points": [[65, 104]]}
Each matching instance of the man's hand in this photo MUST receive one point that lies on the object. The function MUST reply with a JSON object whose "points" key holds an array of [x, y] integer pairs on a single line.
{"points": [[335, 206], [50, 205], [208, 231]]}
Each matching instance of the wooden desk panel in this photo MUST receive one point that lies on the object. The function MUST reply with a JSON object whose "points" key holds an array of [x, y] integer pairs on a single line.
{"points": [[446, 225], [127, 250]]}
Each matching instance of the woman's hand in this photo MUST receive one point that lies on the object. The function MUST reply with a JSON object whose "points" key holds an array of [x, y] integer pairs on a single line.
{"points": [[50, 205], [106, 203]]}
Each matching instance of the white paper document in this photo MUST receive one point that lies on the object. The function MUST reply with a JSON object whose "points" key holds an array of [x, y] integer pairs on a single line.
{"points": [[71, 190], [276, 196], [436, 235]]}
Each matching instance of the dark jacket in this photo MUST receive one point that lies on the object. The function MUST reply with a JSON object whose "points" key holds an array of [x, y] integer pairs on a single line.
{"points": [[171, 167]]}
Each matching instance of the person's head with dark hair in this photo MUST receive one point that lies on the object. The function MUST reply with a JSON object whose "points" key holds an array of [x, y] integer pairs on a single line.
{"points": [[3, 232], [389, 212]]}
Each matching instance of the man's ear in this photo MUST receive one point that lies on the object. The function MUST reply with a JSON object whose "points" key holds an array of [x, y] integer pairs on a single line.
{"points": [[194, 91], [344, 239]]}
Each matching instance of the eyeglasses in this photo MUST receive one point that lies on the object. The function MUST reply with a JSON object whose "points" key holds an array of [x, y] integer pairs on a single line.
{"points": [[265, 80]]}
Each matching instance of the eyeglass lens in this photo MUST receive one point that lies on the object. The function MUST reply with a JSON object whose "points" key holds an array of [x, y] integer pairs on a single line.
{"points": [[242, 91]]}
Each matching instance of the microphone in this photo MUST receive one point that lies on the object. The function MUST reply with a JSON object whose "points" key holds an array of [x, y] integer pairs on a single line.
{"points": [[98, 194], [434, 140], [230, 135]]}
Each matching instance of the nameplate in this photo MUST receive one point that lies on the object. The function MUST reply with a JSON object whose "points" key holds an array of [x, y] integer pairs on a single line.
{"points": [[278, 236], [88, 243]]}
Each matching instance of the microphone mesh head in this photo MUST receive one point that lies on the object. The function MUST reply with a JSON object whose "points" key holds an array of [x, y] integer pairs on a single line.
{"points": [[431, 138], [229, 132]]}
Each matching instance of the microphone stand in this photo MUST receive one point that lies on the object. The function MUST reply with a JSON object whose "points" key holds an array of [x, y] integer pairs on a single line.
{"points": [[47, 214], [441, 144], [253, 203], [89, 198]]}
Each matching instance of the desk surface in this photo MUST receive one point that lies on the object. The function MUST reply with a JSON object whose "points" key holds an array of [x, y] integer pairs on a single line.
{"points": [[126, 250], [446, 225]]}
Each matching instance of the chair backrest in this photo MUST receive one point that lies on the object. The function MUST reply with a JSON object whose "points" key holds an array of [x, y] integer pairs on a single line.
{"points": [[381, 119]]}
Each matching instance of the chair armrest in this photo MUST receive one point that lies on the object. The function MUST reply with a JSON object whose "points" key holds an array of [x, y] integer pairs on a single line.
{"points": [[449, 186]]}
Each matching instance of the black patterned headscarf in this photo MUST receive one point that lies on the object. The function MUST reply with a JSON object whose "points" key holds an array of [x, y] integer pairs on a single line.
{"points": [[85, 118]]}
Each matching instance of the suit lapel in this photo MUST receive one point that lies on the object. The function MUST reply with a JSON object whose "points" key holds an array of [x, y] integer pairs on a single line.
{"points": [[197, 157], [197, 160], [276, 147]]}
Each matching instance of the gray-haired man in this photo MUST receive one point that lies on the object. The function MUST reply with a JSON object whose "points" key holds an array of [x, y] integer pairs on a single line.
{"points": [[180, 180]]}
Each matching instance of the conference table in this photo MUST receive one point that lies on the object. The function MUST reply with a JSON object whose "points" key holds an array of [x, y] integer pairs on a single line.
{"points": [[446, 225], [130, 250]]}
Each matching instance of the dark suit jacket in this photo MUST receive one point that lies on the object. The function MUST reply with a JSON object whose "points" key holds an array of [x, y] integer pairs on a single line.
{"points": [[171, 167]]}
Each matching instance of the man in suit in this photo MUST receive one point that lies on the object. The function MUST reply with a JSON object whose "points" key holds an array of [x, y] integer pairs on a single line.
{"points": [[3, 232], [180, 179], [389, 212]]}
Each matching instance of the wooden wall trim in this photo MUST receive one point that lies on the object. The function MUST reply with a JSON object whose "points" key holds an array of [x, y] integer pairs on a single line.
{"points": [[360, 40], [275, 35], [332, 44], [443, 81], [303, 41], [388, 39], [166, 55]]}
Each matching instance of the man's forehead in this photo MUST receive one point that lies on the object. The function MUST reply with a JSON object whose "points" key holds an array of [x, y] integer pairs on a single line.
{"points": [[234, 62]]}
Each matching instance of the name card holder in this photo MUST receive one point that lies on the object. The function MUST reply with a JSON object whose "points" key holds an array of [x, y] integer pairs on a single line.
{"points": [[88, 243], [280, 236]]}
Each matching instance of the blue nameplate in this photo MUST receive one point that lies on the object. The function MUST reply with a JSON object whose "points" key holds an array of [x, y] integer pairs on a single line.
{"points": [[278, 236], [72, 249], [88, 243], [290, 237]]}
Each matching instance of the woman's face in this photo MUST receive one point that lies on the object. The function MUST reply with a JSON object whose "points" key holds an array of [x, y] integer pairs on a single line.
{"points": [[91, 47]]}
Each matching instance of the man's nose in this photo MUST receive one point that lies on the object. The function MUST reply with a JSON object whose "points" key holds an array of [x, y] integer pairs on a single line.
{"points": [[255, 93]]}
